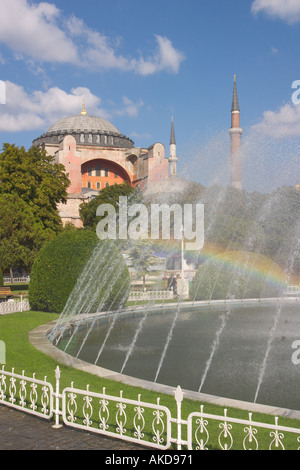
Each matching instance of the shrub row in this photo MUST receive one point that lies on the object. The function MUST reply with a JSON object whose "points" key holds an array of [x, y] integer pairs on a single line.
{"points": [[60, 263]]}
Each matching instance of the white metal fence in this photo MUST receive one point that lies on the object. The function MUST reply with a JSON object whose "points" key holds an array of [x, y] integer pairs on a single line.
{"points": [[13, 306], [27, 393], [150, 295], [148, 424], [292, 290], [7, 279]]}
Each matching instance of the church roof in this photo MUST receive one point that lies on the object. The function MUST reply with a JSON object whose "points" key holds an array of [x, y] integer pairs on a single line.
{"points": [[83, 123]]}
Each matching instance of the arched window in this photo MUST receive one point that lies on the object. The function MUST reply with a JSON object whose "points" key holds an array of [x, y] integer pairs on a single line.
{"points": [[89, 185], [106, 185], [98, 185], [81, 137]]}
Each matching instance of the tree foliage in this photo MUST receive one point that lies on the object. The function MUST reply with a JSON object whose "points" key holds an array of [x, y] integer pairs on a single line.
{"points": [[20, 234], [36, 179], [143, 258], [239, 275], [267, 224], [31, 186], [59, 264], [109, 195]]}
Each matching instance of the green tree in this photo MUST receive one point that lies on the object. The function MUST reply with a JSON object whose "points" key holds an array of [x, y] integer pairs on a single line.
{"points": [[281, 223], [237, 274], [59, 264], [21, 235], [109, 195], [37, 180], [143, 259]]}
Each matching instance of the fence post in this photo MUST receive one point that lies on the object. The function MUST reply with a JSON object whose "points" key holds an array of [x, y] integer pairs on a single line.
{"points": [[57, 412], [178, 398]]}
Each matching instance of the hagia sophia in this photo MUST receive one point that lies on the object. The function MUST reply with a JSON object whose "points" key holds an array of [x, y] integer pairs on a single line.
{"points": [[96, 154]]}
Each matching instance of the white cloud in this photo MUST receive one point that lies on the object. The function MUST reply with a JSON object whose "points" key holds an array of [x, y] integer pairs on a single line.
{"points": [[32, 30], [281, 124], [98, 51], [274, 51], [38, 110], [166, 57], [286, 10], [40, 32], [128, 108], [20, 122], [144, 136]]}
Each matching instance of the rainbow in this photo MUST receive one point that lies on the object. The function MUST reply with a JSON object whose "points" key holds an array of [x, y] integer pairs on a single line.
{"points": [[256, 265]]}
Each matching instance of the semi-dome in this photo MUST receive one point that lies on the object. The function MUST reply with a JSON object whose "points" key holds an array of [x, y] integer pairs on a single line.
{"points": [[87, 130]]}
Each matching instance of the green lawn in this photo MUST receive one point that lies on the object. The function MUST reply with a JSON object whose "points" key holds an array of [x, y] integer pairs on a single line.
{"points": [[21, 355]]}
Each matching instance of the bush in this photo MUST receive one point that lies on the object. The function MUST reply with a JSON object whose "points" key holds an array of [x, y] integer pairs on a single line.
{"points": [[1, 278], [78, 261], [238, 275]]}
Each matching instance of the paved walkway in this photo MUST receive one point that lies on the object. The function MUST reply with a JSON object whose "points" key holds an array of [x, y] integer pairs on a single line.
{"points": [[20, 431]]}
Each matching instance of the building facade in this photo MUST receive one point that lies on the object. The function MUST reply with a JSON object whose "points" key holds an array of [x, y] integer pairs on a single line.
{"points": [[95, 155]]}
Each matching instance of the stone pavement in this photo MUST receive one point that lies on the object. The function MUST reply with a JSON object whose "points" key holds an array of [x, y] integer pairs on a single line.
{"points": [[21, 431]]}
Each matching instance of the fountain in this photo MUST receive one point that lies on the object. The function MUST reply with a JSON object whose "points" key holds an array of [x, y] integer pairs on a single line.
{"points": [[235, 347]]}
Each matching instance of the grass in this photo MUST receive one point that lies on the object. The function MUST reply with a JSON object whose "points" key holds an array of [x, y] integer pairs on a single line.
{"points": [[21, 355]]}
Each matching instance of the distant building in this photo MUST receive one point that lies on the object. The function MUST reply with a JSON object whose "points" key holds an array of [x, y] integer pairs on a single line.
{"points": [[95, 155]]}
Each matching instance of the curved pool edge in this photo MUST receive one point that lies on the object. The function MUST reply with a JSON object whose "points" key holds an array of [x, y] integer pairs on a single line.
{"points": [[38, 338]]}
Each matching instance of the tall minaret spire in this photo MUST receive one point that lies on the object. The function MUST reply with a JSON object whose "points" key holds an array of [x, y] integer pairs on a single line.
{"points": [[235, 140], [173, 158]]}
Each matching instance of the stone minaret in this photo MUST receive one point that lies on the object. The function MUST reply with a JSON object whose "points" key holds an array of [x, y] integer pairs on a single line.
{"points": [[235, 139], [173, 158]]}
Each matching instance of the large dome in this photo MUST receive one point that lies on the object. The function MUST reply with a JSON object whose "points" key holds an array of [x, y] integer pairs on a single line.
{"points": [[83, 123], [87, 130]]}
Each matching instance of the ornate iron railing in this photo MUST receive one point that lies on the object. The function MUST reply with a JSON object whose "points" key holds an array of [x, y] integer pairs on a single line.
{"points": [[13, 306], [26, 393], [148, 424], [273, 435], [117, 417]]}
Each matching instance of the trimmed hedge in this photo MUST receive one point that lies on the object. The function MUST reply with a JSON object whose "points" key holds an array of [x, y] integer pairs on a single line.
{"points": [[59, 264], [237, 274]]}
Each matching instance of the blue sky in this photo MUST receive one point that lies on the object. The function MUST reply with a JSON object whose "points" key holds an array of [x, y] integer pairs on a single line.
{"points": [[137, 63]]}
